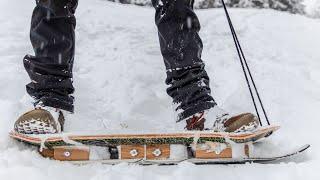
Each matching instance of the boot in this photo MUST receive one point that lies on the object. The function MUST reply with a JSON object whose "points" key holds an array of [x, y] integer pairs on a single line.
{"points": [[45, 120], [218, 120]]}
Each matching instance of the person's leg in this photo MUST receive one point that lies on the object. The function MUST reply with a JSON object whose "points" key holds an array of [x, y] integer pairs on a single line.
{"points": [[52, 37], [181, 47]]}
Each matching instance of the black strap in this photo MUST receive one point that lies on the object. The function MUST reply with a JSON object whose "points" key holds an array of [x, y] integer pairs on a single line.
{"points": [[245, 68]]}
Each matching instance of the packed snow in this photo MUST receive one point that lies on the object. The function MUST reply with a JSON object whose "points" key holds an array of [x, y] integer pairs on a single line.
{"points": [[119, 78]]}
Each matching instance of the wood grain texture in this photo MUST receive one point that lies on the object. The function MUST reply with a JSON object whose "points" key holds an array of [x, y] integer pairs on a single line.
{"points": [[48, 153], [153, 149], [149, 138], [126, 151], [71, 154], [203, 154], [107, 140], [247, 150]]}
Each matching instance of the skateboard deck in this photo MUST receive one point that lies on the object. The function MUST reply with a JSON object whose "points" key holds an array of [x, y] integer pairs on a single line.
{"points": [[149, 147], [185, 137]]}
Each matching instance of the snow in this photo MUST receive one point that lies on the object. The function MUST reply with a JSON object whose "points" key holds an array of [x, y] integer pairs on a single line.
{"points": [[119, 78], [312, 8], [178, 152], [97, 153]]}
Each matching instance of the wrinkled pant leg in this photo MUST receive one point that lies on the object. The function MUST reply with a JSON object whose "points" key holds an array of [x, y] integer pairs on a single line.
{"points": [[181, 47], [53, 40]]}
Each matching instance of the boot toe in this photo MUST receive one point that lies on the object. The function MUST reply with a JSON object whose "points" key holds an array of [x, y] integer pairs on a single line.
{"points": [[37, 121], [241, 122]]}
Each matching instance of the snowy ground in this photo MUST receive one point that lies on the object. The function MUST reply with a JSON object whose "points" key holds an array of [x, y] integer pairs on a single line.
{"points": [[119, 77]]}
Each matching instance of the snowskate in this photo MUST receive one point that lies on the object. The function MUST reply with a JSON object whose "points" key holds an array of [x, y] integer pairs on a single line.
{"points": [[39, 128], [198, 147]]}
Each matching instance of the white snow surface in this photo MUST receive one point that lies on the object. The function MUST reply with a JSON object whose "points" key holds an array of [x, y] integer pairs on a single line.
{"points": [[119, 78]]}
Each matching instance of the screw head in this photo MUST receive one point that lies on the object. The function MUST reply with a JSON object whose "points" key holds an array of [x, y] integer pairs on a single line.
{"points": [[157, 152], [134, 152], [67, 153]]}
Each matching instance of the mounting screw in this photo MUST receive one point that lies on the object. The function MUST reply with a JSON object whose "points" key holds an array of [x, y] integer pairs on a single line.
{"points": [[133, 152], [157, 152], [67, 154]]}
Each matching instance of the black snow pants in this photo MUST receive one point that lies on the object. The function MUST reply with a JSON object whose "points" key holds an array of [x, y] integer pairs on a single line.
{"points": [[52, 36]]}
